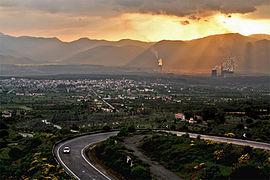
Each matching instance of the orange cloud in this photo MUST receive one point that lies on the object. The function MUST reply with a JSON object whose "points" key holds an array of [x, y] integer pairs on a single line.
{"points": [[140, 26]]}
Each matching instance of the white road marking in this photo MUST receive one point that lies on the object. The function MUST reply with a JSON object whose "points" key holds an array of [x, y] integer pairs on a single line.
{"points": [[58, 154], [82, 153]]}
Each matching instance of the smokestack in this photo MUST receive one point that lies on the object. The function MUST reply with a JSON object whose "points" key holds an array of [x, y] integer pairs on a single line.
{"points": [[159, 67], [160, 62], [214, 73]]}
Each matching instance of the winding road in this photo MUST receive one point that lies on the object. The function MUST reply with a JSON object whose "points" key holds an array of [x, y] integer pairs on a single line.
{"points": [[77, 165]]}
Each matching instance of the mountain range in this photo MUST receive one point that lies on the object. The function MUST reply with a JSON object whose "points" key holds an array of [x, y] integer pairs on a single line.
{"points": [[251, 53]]}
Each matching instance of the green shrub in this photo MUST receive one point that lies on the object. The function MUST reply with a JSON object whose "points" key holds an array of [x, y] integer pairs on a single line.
{"points": [[180, 154], [131, 129], [186, 135], [248, 170], [3, 144], [123, 132], [3, 125], [212, 172], [4, 133], [15, 153], [106, 128], [140, 173]]}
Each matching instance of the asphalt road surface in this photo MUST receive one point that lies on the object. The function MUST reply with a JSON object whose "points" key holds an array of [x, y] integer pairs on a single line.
{"points": [[241, 142], [78, 166], [75, 163]]}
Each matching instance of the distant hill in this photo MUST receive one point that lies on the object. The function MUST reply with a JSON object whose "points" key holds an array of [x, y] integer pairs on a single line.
{"points": [[106, 55], [252, 53], [7, 59], [52, 50], [260, 36], [201, 55], [38, 49]]}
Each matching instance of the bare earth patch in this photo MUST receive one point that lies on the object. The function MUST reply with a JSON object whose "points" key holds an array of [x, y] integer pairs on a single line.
{"points": [[159, 171]]}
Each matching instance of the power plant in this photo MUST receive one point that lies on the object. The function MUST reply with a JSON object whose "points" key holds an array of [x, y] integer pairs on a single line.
{"points": [[227, 68]]}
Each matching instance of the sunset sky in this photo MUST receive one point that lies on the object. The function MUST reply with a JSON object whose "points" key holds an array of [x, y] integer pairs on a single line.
{"points": [[147, 20]]}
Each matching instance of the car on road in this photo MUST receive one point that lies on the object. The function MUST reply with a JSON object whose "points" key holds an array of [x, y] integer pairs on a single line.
{"points": [[66, 150]]}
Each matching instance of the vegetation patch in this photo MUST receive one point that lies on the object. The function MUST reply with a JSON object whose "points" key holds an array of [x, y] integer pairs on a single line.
{"points": [[29, 157], [113, 154], [205, 159]]}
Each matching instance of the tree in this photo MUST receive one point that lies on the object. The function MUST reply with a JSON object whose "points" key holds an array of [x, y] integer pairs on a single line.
{"points": [[4, 133], [247, 170], [188, 114], [3, 125], [251, 112], [249, 120], [106, 128], [131, 129], [239, 126], [123, 132], [212, 113], [74, 127], [220, 117], [209, 113], [33, 142], [15, 153], [64, 131], [3, 144], [173, 127]]}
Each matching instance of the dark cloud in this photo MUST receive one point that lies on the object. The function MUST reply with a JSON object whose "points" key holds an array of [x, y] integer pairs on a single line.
{"points": [[185, 22], [194, 18], [262, 12], [116, 7]]}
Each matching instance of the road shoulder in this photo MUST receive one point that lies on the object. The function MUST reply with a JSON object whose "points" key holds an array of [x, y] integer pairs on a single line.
{"points": [[91, 157]]}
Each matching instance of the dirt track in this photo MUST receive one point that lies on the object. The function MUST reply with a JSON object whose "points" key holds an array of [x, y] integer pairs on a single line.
{"points": [[159, 171]]}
